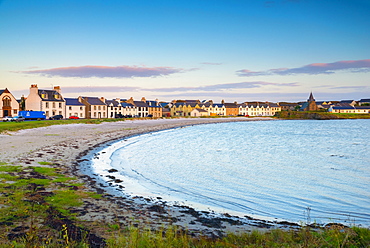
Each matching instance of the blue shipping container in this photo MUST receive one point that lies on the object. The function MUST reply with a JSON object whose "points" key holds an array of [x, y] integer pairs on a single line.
{"points": [[33, 115]]}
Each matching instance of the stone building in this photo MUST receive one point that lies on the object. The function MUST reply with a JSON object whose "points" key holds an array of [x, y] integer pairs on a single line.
{"points": [[310, 105]]}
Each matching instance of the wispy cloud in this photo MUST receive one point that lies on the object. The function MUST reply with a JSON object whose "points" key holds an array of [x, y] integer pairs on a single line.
{"points": [[89, 71], [313, 69]]}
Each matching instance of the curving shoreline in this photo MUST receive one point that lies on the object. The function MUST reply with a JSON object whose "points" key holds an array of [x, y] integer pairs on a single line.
{"points": [[68, 147]]}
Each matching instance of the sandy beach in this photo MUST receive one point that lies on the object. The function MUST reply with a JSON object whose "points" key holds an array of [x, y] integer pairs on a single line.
{"points": [[69, 146]]}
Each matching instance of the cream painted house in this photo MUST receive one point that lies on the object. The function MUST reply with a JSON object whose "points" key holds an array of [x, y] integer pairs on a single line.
{"points": [[49, 101], [258, 109], [198, 112], [8, 104], [75, 108]]}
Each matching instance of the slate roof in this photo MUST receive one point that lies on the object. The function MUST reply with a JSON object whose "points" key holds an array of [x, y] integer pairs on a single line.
{"points": [[94, 101], [343, 107], [127, 105], [73, 101], [220, 105], [50, 96], [365, 100], [112, 102], [347, 101], [141, 104]]}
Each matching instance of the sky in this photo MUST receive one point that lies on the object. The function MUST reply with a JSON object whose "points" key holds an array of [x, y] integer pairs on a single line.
{"points": [[232, 50]]}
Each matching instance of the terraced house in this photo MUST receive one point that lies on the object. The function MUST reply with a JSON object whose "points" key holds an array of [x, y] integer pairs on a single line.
{"points": [[184, 107], [75, 108], [49, 101], [95, 107], [258, 109], [8, 104]]}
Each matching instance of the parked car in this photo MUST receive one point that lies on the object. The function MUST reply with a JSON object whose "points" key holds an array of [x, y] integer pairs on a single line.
{"points": [[7, 118], [56, 117], [18, 118], [74, 117]]}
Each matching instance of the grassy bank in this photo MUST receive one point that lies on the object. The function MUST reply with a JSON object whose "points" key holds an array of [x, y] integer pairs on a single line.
{"points": [[38, 209], [16, 126], [319, 115]]}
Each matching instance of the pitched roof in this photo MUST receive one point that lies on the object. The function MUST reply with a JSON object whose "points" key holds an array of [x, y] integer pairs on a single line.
{"points": [[94, 100], [50, 95], [112, 102], [73, 101], [141, 104], [365, 100], [127, 105]]}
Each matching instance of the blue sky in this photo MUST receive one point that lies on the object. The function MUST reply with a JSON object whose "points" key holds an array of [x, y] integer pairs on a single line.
{"points": [[277, 50]]}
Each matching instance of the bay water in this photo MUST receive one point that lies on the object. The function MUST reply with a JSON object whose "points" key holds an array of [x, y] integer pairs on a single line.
{"points": [[295, 170]]}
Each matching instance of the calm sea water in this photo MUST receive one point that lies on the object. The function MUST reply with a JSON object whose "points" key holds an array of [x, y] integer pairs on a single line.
{"points": [[296, 170]]}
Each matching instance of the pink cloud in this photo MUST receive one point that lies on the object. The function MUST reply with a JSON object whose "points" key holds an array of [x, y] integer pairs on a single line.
{"points": [[106, 71], [314, 69]]}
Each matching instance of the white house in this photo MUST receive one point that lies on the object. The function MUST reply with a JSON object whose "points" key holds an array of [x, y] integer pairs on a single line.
{"points": [[50, 101], [350, 109], [75, 108]]}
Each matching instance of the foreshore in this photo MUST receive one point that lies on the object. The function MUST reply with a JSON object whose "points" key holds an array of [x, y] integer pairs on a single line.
{"points": [[67, 147]]}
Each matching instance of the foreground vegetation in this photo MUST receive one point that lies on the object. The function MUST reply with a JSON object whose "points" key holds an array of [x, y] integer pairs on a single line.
{"points": [[37, 210]]}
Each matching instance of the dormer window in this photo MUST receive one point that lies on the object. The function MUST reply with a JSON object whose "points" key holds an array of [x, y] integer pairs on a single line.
{"points": [[56, 96], [43, 95]]}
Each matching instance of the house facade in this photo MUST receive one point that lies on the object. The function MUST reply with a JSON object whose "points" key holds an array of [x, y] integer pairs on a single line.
{"points": [[95, 107], [350, 109], [49, 101], [198, 112], [75, 108], [9, 106], [258, 109]]}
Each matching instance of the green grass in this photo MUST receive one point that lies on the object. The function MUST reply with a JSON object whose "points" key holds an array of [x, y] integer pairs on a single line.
{"points": [[16, 126]]}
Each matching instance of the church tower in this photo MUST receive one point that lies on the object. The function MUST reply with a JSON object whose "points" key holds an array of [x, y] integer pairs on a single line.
{"points": [[311, 103]]}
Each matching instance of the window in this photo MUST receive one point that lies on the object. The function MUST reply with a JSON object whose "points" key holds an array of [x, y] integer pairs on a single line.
{"points": [[46, 105], [94, 107], [60, 105], [80, 108], [98, 107], [53, 104], [15, 111], [6, 101], [70, 107]]}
